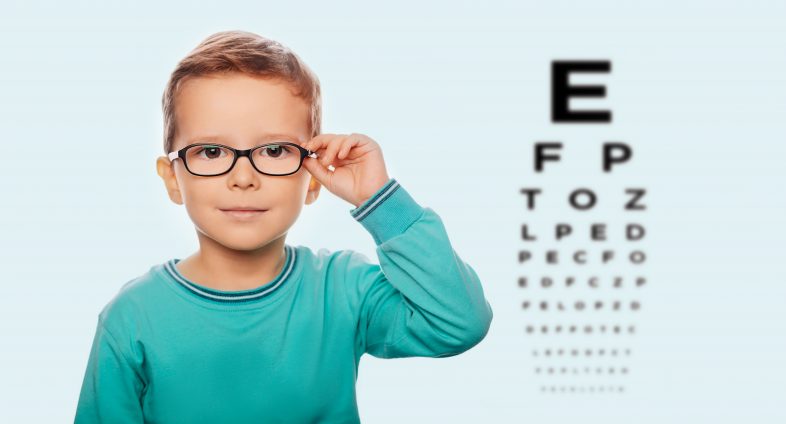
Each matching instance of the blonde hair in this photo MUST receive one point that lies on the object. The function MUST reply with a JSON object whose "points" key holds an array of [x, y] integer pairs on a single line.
{"points": [[248, 53]]}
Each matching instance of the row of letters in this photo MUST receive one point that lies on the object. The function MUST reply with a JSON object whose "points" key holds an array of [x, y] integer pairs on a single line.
{"points": [[587, 370], [582, 389], [587, 329], [592, 282], [580, 256], [577, 352], [597, 232], [580, 305]]}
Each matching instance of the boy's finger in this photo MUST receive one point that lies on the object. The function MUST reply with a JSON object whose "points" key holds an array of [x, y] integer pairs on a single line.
{"points": [[344, 151], [309, 145], [316, 169], [317, 142], [332, 147]]}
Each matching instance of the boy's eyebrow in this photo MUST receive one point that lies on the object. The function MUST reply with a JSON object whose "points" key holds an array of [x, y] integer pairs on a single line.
{"points": [[263, 139]]}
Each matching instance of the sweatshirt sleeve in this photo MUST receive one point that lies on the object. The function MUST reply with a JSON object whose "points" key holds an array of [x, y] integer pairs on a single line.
{"points": [[112, 386], [421, 299]]}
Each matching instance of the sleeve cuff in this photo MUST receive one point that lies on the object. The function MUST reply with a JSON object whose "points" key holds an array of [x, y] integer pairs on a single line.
{"points": [[387, 213]]}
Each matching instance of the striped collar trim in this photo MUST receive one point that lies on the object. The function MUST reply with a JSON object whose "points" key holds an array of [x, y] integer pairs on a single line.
{"points": [[240, 296]]}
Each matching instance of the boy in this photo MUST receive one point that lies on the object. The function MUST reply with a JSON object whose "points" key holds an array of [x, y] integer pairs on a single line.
{"points": [[200, 340]]}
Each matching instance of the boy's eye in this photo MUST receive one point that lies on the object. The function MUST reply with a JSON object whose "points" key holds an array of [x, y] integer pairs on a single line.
{"points": [[276, 151], [211, 152]]}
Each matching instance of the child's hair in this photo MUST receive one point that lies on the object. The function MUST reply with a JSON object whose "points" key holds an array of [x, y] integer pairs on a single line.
{"points": [[248, 53]]}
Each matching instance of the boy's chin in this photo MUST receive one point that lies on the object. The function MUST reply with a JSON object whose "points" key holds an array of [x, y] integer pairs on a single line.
{"points": [[244, 244], [242, 239]]}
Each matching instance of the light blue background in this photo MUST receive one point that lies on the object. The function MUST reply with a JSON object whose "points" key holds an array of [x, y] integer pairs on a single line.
{"points": [[698, 89]]}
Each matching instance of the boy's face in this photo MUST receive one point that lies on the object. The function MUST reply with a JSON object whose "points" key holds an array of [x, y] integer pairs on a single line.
{"points": [[239, 111]]}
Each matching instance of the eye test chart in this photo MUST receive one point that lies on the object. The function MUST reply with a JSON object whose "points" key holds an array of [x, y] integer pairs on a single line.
{"points": [[614, 172]]}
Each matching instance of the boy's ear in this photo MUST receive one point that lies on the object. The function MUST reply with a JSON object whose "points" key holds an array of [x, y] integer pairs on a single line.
{"points": [[165, 171], [313, 191]]}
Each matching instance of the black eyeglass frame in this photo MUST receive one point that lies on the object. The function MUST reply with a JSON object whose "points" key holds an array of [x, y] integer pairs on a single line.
{"points": [[181, 154]]}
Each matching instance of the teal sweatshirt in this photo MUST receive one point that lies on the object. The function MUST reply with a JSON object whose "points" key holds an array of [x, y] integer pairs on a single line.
{"points": [[168, 350]]}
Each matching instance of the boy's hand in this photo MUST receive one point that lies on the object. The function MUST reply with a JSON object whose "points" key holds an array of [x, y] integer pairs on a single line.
{"points": [[359, 169]]}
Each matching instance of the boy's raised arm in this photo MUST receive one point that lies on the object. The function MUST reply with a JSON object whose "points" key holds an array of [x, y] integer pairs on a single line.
{"points": [[422, 299], [112, 385]]}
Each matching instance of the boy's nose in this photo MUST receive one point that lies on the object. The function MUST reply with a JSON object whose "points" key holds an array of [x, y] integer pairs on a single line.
{"points": [[243, 168]]}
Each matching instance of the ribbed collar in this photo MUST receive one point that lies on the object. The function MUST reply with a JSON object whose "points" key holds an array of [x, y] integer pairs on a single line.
{"points": [[235, 297]]}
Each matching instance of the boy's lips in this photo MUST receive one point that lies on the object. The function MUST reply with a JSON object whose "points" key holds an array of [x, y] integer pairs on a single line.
{"points": [[242, 208], [243, 212]]}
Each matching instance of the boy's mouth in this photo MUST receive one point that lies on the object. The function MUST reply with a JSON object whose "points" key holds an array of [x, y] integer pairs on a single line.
{"points": [[243, 212]]}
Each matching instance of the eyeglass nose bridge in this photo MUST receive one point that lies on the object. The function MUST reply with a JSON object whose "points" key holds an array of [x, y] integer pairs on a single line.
{"points": [[239, 154]]}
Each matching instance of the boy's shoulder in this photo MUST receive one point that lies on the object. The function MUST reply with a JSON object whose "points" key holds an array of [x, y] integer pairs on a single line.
{"points": [[339, 259], [133, 299], [345, 274], [347, 271]]}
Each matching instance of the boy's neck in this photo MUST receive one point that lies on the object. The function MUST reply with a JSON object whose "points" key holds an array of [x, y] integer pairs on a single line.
{"points": [[219, 268]]}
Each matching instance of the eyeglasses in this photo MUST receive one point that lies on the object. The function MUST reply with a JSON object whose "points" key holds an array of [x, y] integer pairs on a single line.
{"points": [[210, 159]]}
